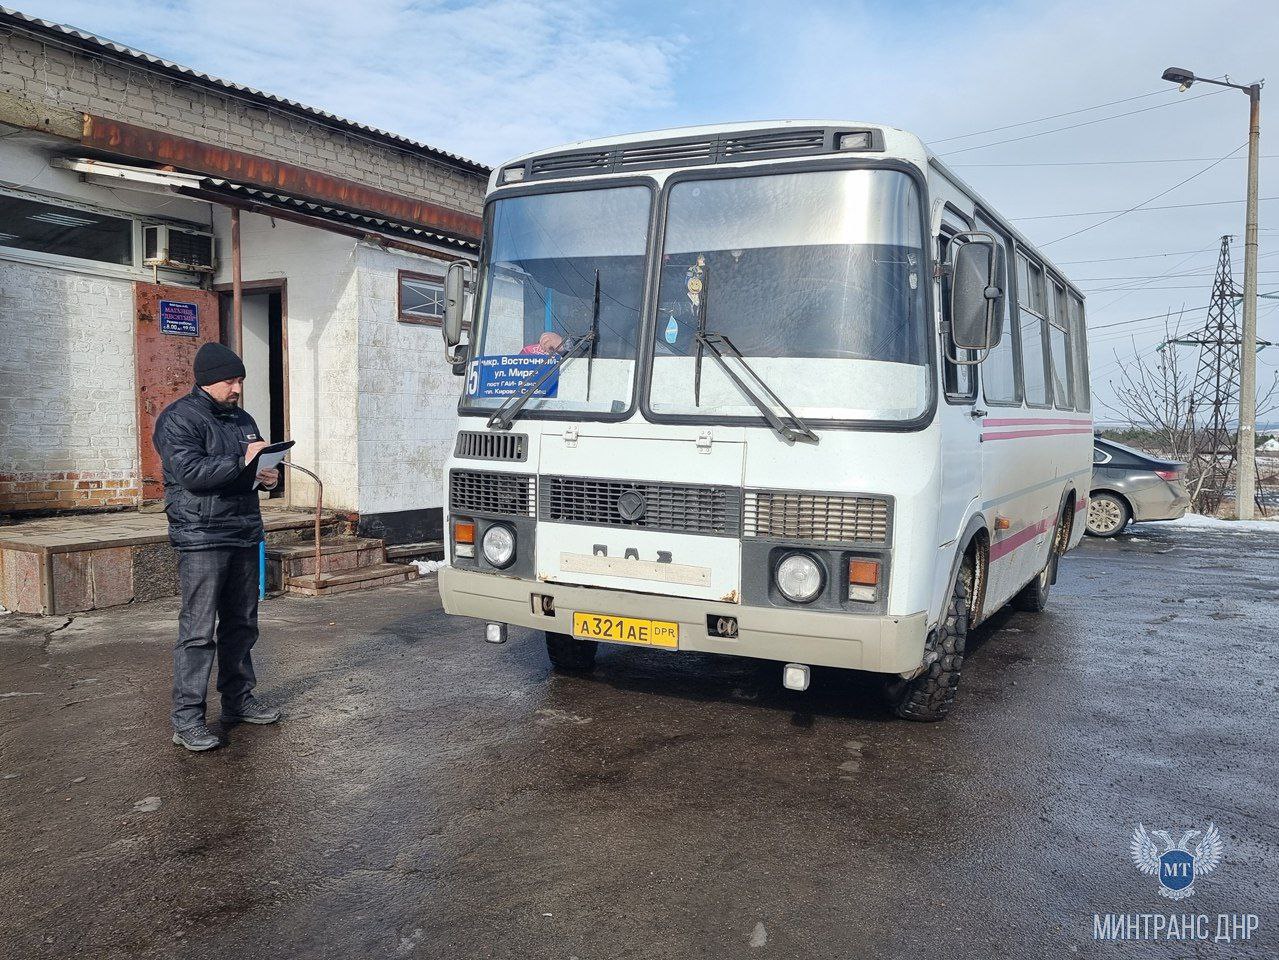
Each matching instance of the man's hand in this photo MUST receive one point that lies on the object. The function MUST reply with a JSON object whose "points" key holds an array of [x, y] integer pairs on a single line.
{"points": [[268, 478], [254, 449]]}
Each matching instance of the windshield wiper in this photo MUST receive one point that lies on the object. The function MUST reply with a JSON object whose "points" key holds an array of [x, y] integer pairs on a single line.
{"points": [[796, 429], [717, 344], [505, 415]]}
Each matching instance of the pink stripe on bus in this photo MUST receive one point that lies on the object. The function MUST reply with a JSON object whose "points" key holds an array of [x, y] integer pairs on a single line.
{"points": [[1029, 421], [1017, 434], [1023, 536]]}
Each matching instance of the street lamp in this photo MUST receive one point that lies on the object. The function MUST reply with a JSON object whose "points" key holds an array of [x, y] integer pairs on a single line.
{"points": [[1246, 492]]}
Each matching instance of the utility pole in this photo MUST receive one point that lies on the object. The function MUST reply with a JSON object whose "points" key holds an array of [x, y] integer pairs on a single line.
{"points": [[1246, 455], [1246, 438]]}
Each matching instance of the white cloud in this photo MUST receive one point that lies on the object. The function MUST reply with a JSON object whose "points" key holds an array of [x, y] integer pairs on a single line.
{"points": [[486, 80]]}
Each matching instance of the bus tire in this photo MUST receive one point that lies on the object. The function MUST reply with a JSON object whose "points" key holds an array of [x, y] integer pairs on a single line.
{"points": [[1033, 597], [929, 696], [569, 654]]}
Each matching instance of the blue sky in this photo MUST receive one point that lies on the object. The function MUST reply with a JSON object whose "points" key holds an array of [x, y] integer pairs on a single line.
{"points": [[495, 78]]}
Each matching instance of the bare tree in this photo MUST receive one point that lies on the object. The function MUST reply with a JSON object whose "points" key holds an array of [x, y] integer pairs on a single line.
{"points": [[1153, 395]]}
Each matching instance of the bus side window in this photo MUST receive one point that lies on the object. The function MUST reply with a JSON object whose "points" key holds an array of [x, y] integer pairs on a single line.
{"points": [[1059, 343], [1079, 366], [1032, 303], [959, 380], [1000, 383]]}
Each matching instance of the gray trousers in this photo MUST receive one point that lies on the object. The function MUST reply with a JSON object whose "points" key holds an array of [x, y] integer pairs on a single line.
{"points": [[219, 586]]}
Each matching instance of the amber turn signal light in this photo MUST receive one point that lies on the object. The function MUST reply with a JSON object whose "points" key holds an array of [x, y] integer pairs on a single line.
{"points": [[864, 573], [464, 538]]}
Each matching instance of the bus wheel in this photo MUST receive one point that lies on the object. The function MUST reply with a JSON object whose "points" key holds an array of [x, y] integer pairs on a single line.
{"points": [[930, 695], [569, 654]]}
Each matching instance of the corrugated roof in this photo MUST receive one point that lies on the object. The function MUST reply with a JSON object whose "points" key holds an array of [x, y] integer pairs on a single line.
{"points": [[337, 213], [89, 41]]}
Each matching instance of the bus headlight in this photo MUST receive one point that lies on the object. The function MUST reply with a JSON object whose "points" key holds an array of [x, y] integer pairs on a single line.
{"points": [[498, 544], [799, 578]]}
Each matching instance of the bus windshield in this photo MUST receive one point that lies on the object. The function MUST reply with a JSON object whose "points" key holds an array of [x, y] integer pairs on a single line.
{"points": [[548, 255], [818, 279]]}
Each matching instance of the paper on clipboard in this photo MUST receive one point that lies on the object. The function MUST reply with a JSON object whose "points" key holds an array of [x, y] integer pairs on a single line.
{"points": [[269, 459]]}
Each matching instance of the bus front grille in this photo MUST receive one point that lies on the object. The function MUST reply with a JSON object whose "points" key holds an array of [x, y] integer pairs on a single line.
{"points": [[821, 517], [508, 494], [681, 508], [478, 445]]}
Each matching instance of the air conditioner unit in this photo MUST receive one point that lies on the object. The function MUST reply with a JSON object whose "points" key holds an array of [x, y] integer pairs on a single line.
{"points": [[176, 248]]}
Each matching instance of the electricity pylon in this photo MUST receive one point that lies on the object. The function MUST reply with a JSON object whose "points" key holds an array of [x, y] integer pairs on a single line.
{"points": [[1214, 398]]}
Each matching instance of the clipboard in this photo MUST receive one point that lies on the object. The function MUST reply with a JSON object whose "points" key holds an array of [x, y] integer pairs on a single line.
{"points": [[268, 458]]}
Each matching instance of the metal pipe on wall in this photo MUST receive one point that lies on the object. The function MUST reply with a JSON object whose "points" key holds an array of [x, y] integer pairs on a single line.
{"points": [[235, 334]]}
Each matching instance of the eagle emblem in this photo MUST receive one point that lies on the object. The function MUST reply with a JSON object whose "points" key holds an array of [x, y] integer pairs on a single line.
{"points": [[1177, 865]]}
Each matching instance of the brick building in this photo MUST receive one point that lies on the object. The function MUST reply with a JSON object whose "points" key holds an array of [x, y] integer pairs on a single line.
{"points": [[129, 189]]}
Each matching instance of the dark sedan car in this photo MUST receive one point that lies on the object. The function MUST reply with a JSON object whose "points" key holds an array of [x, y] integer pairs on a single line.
{"points": [[1131, 486]]}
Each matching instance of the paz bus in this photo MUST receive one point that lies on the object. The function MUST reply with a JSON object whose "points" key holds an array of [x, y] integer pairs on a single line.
{"points": [[789, 391]]}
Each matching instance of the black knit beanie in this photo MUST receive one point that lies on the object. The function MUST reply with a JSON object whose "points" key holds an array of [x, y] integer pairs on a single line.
{"points": [[214, 362]]}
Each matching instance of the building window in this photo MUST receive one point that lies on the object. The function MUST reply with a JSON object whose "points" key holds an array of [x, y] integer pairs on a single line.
{"points": [[65, 231], [421, 298]]}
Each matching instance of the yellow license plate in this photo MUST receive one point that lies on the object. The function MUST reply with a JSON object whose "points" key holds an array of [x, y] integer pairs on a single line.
{"points": [[651, 633]]}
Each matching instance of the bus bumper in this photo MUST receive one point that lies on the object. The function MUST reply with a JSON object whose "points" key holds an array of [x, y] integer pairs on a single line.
{"points": [[884, 643]]}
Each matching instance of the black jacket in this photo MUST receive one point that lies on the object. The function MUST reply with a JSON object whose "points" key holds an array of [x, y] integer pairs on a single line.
{"points": [[208, 495]]}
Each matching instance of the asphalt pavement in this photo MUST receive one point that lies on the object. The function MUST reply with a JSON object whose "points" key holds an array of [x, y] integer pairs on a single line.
{"points": [[429, 795]]}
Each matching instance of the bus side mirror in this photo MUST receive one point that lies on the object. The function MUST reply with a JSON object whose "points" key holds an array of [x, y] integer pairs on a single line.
{"points": [[978, 285], [454, 305]]}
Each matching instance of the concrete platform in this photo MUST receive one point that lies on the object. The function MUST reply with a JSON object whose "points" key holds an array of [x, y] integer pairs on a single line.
{"points": [[69, 564]]}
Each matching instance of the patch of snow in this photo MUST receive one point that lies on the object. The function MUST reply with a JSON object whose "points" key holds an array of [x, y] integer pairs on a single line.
{"points": [[147, 805], [1197, 521], [759, 936], [429, 566], [4, 611]]}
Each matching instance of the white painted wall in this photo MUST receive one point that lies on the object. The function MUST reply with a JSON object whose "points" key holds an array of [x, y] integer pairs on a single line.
{"points": [[408, 394], [67, 397], [68, 386], [322, 323]]}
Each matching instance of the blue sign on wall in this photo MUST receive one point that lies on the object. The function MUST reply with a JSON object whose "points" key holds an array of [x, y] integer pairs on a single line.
{"points": [[505, 376], [179, 319]]}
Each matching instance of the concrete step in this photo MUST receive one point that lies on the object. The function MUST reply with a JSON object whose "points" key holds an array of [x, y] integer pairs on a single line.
{"points": [[336, 553], [363, 578], [429, 550], [292, 528]]}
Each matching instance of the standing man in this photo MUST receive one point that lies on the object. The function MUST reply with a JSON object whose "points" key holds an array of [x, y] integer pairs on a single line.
{"points": [[206, 441]]}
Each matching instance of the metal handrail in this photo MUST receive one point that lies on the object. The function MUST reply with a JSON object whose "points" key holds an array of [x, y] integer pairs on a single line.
{"points": [[319, 507]]}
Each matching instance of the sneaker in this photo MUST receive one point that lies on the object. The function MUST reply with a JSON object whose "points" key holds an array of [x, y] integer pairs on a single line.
{"points": [[196, 738], [251, 711]]}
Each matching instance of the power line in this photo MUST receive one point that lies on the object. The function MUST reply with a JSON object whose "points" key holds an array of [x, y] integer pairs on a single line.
{"points": [[1104, 163], [1175, 267], [1146, 256], [1169, 206], [1075, 126], [1156, 276], [1153, 316], [1162, 193], [1187, 286], [1068, 113]]}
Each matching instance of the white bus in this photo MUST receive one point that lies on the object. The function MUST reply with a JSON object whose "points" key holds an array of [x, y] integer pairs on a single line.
{"points": [[789, 391]]}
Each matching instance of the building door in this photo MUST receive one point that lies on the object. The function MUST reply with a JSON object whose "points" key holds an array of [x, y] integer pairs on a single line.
{"points": [[172, 323], [262, 349]]}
